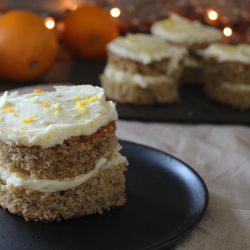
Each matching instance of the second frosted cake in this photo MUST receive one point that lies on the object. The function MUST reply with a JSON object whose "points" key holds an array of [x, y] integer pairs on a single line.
{"points": [[142, 69]]}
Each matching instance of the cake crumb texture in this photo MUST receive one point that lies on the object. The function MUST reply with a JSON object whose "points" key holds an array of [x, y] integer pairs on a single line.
{"points": [[102, 192], [235, 98], [131, 93], [75, 156]]}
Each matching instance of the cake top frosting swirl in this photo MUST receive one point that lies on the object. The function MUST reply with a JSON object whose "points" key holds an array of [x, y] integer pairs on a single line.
{"points": [[181, 30], [48, 118], [226, 52], [144, 48]]}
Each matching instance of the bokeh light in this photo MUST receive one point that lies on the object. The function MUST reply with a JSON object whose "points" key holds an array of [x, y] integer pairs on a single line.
{"points": [[227, 31], [212, 15], [49, 23], [115, 12]]}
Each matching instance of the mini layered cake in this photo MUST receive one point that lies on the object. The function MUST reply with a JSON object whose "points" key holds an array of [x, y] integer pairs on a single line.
{"points": [[190, 34], [142, 69], [59, 154], [227, 70]]}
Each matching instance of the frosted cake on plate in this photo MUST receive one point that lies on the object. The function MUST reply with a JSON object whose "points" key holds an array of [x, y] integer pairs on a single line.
{"points": [[59, 154]]}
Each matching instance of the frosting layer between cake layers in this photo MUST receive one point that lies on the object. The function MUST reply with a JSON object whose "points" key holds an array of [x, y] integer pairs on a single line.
{"points": [[235, 87], [47, 185], [48, 118], [126, 77]]}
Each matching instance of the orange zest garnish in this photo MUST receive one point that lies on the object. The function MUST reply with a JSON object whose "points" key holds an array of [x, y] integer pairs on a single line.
{"points": [[38, 91], [81, 105], [45, 104], [8, 110], [28, 120]]}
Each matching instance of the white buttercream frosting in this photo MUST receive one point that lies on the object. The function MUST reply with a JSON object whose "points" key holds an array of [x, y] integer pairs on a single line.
{"points": [[226, 52], [144, 48], [48, 118], [181, 30], [236, 87], [15, 179], [143, 81]]}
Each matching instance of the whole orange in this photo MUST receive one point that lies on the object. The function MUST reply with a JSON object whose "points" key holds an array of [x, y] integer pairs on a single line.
{"points": [[27, 47], [87, 31]]}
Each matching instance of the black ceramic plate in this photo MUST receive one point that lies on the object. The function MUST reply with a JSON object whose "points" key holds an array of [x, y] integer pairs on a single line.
{"points": [[165, 200]]}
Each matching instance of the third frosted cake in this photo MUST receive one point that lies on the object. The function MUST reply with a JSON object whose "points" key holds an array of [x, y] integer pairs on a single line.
{"points": [[191, 34], [227, 70]]}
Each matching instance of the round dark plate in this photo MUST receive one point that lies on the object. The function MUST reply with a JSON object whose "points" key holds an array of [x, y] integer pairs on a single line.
{"points": [[165, 200]]}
